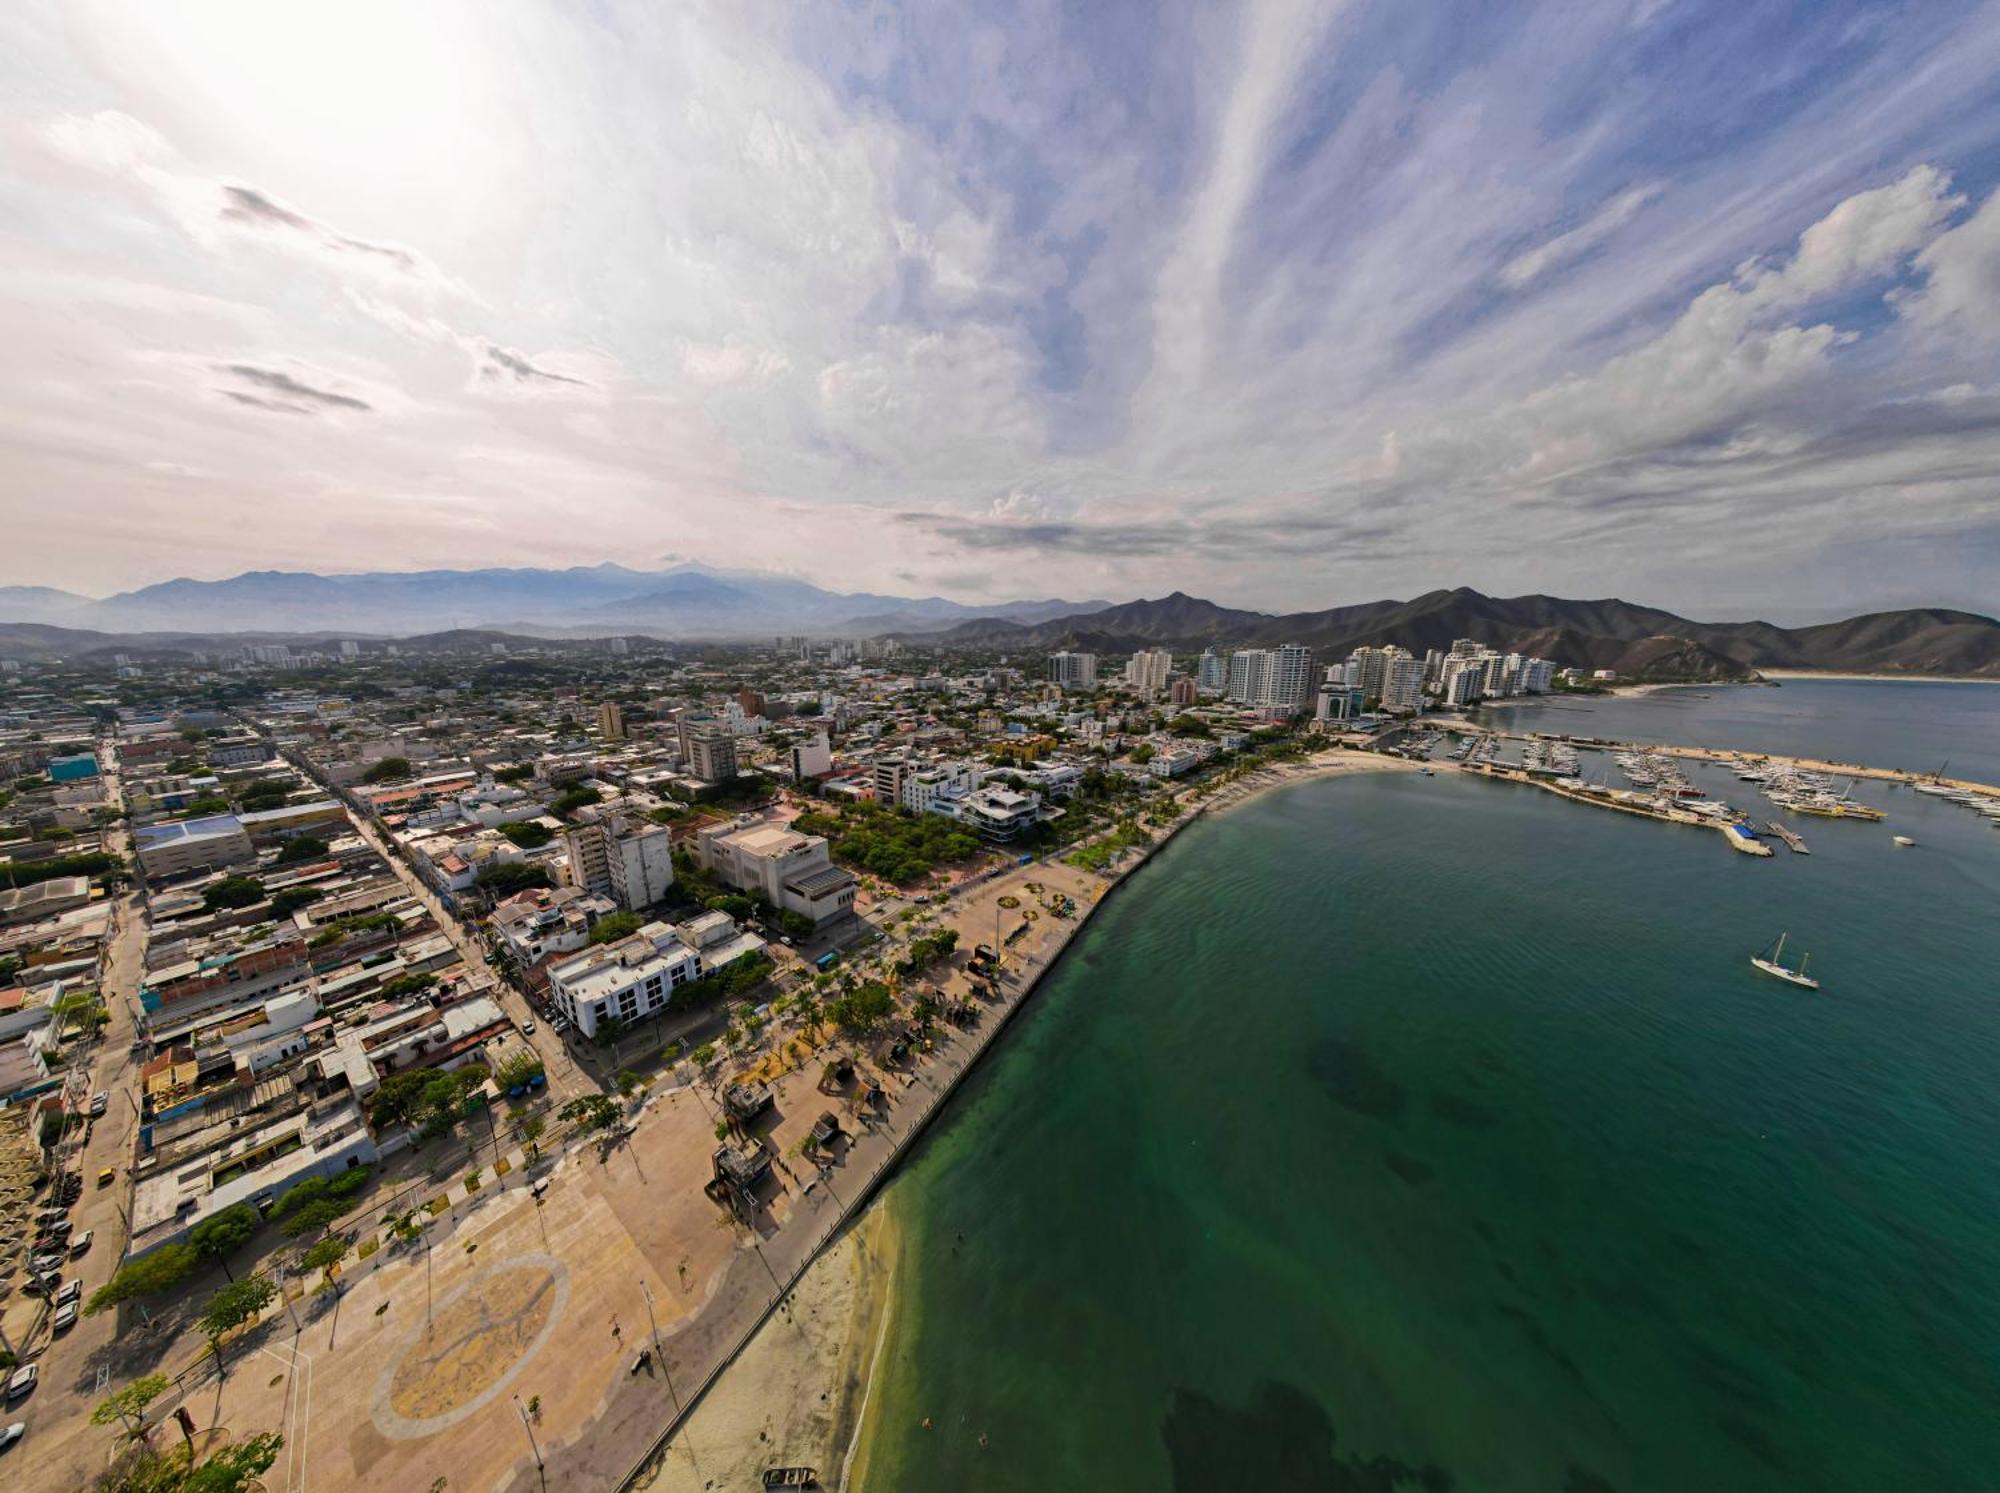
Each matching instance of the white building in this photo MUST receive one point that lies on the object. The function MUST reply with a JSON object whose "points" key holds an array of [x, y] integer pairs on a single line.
{"points": [[1211, 674], [994, 812], [627, 860], [1148, 670], [812, 758], [788, 869], [926, 785], [1280, 677], [1402, 682], [631, 979], [1073, 670]]}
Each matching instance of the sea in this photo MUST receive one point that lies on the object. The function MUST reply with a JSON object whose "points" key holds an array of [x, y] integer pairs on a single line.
{"points": [[1396, 1133]]}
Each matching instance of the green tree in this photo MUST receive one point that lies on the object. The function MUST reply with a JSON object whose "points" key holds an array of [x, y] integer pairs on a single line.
{"points": [[302, 848], [618, 925], [128, 1405], [517, 1070], [232, 1469], [508, 877], [566, 804], [217, 1237], [590, 1112], [529, 834], [628, 1080], [324, 1256], [388, 770], [292, 898], [150, 1274], [233, 891], [236, 1303]]}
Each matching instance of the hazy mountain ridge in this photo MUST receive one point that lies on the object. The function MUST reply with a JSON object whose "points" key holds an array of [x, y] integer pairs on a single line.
{"points": [[684, 600], [1606, 633]]}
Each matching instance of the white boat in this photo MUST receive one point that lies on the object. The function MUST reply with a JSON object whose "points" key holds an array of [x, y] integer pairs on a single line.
{"points": [[1903, 840], [1772, 962]]}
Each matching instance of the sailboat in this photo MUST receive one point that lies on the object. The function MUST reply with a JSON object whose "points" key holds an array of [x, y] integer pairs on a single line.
{"points": [[1772, 962]]}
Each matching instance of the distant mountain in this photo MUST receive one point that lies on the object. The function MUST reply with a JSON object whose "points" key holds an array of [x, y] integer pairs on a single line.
{"points": [[1639, 642], [684, 601], [37, 603]]}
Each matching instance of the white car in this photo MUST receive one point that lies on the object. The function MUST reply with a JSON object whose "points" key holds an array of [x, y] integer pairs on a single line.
{"points": [[71, 1292], [80, 1245], [23, 1381], [99, 1103], [66, 1316], [12, 1434], [527, 1028]]}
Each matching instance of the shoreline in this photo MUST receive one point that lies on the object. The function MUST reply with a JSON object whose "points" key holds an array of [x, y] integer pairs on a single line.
{"points": [[776, 1363]]}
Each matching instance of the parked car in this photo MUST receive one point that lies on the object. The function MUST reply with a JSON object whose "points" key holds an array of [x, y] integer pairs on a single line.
{"points": [[12, 1434], [99, 1103], [66, 1315], [106, 1177], [23, 1381], [527, 1028], [43, 1264], [80, 1245], [72, 1291]]}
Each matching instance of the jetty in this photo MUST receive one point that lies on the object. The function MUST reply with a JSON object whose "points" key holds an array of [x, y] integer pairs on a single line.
{"points": [[1794, 841]]}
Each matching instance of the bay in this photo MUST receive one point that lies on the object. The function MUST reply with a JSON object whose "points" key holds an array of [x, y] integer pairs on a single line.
{"points": [[1394, 1132]]}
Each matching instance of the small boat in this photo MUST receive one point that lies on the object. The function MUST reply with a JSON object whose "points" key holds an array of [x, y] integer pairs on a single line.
{"points": [[1772, 962], [1425, 772], [1904, 840], [791, 1477]]}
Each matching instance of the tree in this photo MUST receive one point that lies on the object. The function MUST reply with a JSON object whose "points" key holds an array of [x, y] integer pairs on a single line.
{"points": [[128, 1405], [517, 1071], [576, 798], [509, 877], [324, 1256], [618, 925], [388, 770], [150, 1274], [233, 891], [609, 1030], [529, 834], [735, 906], [302, 848], [233, 1468], [215, 1238], [863, 1009], [590, 1112], [236, 1303], [628, 1080], [291, 899]]}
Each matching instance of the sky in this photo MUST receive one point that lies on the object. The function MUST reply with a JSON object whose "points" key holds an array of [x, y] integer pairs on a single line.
{"points": [[1286, 304]]}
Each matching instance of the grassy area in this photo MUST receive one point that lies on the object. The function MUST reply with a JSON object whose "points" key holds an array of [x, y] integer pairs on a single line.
{"points": [[1100, 853]]}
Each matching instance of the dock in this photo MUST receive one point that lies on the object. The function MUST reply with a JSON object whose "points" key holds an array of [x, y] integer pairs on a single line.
{"points": [[1794, 841]]}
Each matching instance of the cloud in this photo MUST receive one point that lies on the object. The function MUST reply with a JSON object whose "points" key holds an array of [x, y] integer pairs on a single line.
{"points": [[505, 365], [247, 205], [294, 395], [1587, 236], [1960, 294]]}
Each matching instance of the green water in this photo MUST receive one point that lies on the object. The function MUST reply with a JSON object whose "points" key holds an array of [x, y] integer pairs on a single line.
{"points": [[1396, 1132]]}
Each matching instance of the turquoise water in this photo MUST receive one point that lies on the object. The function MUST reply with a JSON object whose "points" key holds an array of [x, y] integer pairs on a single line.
{"points": [[1395, 1133]]}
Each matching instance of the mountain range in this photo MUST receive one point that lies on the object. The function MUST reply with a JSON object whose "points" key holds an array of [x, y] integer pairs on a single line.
{"points": [[1639, 642], [696, 602], [684, 600]]}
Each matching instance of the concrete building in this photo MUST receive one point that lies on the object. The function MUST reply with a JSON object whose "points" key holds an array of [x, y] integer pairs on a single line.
{"points": [[611, 721], [792, 871], [629, 980], [812, 758], [993, 812], [73, 769], [1183, 691], [184, 845], [1147, 671], [1402, 681], [1278, 678], [1073, 670], [1211, 674], [711, 754], [625, 859]]}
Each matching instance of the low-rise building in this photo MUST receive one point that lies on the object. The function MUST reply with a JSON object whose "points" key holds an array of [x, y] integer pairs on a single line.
{"points": [[629, 980], [184, 845], [790, 870]]}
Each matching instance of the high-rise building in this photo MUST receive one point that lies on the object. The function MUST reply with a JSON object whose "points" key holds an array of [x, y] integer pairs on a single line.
{"points": [[625, 859], [1280, 677], [620, 647], [749, 701], [1183, 691], [1365, 667], [1073, 670], [1211, 674], [1402, 681], [711, 754], [1148, 670], [350, 649], [611, 721]]}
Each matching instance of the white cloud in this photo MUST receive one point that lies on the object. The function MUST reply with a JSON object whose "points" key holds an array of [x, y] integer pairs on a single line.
{"points": [[1581, 240]]}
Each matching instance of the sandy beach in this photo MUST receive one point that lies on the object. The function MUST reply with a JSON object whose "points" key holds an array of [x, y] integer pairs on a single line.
{"points": [[798, 1392]]}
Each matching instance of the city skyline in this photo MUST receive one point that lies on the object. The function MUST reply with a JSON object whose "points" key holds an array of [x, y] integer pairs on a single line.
{"points": [[1283, 305]]}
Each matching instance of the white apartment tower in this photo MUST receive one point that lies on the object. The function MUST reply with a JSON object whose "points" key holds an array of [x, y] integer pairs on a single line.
{"points": [[1073, 670]]}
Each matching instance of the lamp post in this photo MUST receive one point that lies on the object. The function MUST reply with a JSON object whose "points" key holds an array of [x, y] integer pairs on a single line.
{"points": [[659, 1352], [529, 1426]]}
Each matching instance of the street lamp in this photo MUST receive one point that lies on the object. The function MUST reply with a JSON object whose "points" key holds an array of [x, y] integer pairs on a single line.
{"points": [[658, 1352], [529, 1426]]}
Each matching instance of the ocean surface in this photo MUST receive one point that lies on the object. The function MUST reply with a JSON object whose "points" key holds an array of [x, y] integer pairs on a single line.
{"points": [[1395, 1132]]}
